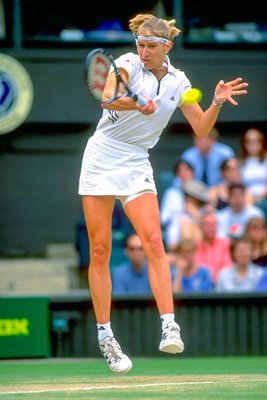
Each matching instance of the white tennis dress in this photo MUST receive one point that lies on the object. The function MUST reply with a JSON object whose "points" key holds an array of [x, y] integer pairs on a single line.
{"points": [[116, 158]]}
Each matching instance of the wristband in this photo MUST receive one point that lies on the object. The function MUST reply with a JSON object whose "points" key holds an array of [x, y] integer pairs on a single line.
{"points": [[217, 102]]}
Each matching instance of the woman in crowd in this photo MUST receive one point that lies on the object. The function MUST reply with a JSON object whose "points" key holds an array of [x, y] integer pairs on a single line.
{"points": [[243, 275], [256, 231], [231, 172], [190, 276], [253, 158]]}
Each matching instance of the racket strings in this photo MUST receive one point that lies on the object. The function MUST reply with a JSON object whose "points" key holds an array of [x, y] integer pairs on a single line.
{"points": [[103, 85], [98, 74]]}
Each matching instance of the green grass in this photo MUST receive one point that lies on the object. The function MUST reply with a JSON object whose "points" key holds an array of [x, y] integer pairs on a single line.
{"points": [[243, 378]]}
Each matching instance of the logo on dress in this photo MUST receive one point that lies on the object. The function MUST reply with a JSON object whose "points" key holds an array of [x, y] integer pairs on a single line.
{"points": [[113, 116], [147, 180], [172, 98]]}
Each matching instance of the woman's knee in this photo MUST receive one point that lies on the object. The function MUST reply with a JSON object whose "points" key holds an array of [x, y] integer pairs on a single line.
{"points": [[154, 244], [100, 253]]}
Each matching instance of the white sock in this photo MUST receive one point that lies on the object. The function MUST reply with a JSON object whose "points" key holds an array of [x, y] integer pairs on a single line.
{"points": [[165, 319], [103, 331]]}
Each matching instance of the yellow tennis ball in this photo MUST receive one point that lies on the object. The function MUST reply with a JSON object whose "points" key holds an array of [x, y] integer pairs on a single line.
{"points": [[191, 96]]}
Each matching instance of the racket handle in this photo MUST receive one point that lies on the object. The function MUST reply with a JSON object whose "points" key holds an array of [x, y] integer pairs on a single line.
{"points": [[141, 101]]}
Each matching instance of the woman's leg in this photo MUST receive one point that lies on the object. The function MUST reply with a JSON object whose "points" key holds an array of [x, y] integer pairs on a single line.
{"points": [[143, 213], [98, 216]]}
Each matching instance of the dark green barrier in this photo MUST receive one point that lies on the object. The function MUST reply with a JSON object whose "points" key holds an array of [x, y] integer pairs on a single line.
{"points": [[24, 327], [211, 325]]}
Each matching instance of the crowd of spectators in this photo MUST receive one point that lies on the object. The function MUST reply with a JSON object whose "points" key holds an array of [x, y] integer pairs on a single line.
{"points": [[213, 217]]}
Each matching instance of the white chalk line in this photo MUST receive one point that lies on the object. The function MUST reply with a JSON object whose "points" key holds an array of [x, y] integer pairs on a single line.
{"points": [[123, 386]]}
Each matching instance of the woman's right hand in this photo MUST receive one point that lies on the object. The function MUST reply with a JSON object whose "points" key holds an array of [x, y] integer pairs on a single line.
{"points": [[148, 108]]}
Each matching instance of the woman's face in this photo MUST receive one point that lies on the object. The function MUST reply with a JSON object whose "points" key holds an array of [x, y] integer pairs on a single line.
{"points": [[231, 172], [184, 172], [187, 254], [152, 53], [257, 230], [242, 253], [253, 142]]}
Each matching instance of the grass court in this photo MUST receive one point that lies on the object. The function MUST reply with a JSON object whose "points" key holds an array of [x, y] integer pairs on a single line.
{"points": [[166, 377]]}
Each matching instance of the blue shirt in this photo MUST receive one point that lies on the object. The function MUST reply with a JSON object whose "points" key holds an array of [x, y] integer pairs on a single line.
{"points": [[218, 153], [126, 279], [229, 279], [201, 281], [261, 285]]}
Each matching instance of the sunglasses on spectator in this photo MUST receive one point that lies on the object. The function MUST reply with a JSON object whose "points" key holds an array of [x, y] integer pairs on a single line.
{"points": [[132, 248]]}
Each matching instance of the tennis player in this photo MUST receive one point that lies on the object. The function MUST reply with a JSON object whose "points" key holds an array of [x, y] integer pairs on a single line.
{"points": [[116, 165]]}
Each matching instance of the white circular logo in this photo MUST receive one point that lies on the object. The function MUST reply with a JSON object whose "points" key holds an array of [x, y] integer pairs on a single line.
{"points": [[16, 94]]}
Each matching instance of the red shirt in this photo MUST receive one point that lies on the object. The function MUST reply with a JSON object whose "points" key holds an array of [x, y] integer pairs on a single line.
{"points": [[214, 255]]}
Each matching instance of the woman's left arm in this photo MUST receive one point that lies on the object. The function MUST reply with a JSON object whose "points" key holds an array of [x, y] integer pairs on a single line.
{"points": [[203, 121]]}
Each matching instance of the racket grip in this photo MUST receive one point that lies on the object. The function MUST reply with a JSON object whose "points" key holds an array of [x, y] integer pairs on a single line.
{"points": [[141, 101]]}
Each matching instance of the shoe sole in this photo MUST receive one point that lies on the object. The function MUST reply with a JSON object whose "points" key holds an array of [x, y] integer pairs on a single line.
{"points": [[172, 347], [124, 371]]}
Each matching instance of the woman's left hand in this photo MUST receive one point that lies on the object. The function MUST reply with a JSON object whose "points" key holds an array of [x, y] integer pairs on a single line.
{"points": [[225, 91]]}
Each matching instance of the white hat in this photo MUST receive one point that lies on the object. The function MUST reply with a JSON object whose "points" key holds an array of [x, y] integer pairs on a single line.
{"points": [[196, 189]]}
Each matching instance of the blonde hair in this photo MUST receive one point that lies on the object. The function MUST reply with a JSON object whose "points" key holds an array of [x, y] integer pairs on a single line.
{"points": [[148, 24], [258, 221]]}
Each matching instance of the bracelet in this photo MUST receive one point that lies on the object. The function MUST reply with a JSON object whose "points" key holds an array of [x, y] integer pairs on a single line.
{"points": [[217, 102]]}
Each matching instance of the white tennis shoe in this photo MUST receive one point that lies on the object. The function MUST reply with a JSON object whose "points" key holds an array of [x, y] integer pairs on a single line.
{"points": [[171, 341], [115, 358]]}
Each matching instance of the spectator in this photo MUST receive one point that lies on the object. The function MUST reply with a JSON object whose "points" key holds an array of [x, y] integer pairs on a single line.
{"points": [[230, 171], [211, 250], [132, 276], [172, 202], [256, 231], [232, 219], [253, 157], [206, 157], [242, 275], [189, 275], [185, 224]]}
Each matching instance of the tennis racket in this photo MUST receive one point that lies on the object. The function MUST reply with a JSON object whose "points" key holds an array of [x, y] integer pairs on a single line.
{"points": [[96, 71]]}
